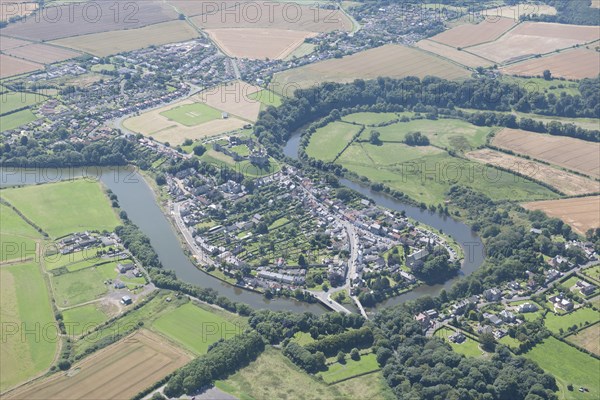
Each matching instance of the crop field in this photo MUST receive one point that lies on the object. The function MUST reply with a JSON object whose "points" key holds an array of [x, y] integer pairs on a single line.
{"points": [[472, 34], [25, 300], [12, 66], [337, 372], [451, 53], [83, 319], [195, 328], [394, 61], [258, 44], [119, 371], [572, 64], [233, 98], [42, 53], [103, 16], [192, 114], [568, 183], [469, 347], [261, 15], [569, 366], [327, 142], [588, 338], [107, 43], [580, 213], [7, 43], [575, 154], [578, 317], [532, 38], [65, 207]]}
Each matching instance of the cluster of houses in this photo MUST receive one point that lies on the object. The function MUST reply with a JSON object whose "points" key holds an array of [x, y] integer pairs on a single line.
{"points": [[85, 240]]}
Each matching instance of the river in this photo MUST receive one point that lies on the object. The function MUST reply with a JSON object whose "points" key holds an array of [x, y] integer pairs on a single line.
{"points": [[137, 199], [471, 244]]}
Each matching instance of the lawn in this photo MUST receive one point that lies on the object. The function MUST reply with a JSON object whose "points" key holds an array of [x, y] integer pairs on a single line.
{"points": [[192, 114], [593, 273], [266, 98], [195, 328], [17, 119], [65, 207], [83, 319], [327, 142], [469, 347], [244, 167], [337, 372], [25, 304], [579, 317], [81, 286], [569, 366], [102, 67], [302, 338], [588, 338]]}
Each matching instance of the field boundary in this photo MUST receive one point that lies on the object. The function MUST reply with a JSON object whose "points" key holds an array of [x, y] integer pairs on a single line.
{"points": [[354, 376]]}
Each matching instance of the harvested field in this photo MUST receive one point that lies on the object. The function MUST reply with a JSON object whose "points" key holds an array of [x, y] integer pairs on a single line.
{"points": [[42, 53], [572, 64], [198, 7], [12, 66], [60, 21], [595, 3], [234, 98], [108, 43], [391, 60], [275, 44], [532, 38], [575, 154], [119, 371], [588, 338], [10, 43], [568, 183], [16, 8], [260, 15], [581, 214], [516, 11], [472, 34], [461, 57]]}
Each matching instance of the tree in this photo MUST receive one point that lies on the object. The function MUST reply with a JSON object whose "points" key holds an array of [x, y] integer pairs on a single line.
{"points": [[302, 261], [547, 75], [355, 354], [488, 342], [161, 180], [199, 150], [341, 357], [64, 364], [158, 396], [374, 138]]}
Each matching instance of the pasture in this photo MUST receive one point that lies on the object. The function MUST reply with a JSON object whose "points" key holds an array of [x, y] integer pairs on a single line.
{"points": [[258, 44], [65, 207], [593, 273], [337, 372], [394, 61], [568, 183], [578, 317], [373, 118], [196, 328], [16, 248], [580, 213], [25, 305], [107, 43], [17, 119], [83, 319], [130, 365], [42, 53], [569, 64], [192, 114], [575, 154], [569, 366], [588, 338], [11, 101], [12, 223], [327, 142], [466, 35], [266, 98], [12, 66], [73, 288]]}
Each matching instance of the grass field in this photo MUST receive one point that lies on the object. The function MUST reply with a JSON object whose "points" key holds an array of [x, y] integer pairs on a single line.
{"points": [[592, 272], [469, 347], [87, 257], [580, 213], [83, 319], [25, 304], [569, 366], [337, 372], [119, 371], [373, 118], [195, 328], [81, 286], [17, 119], [192, 114], [245, 167], [266, 98], [327, 142], [588, 338], [302, 338], [12, 223], [65, 207], [540, 85], [579, 317], [14, 100], [16, 248], [273, 376]]}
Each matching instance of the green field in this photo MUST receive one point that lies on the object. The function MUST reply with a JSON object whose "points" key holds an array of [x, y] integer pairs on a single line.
{"points": [[86, 257], [16, 248], [274, 376], [266, 98], [83, 319], [301, 51], [469, 347], [540, 85], [337, 372], [244, 167], [81, 286], [593, 273], [302, 338], [195, 328], [17, 119], [102, 67], [373, 118], [25, 304], [12, 223], [11, 101], [555, 322], [569, 366], [65, 207], [327, 142], [192, 114]]}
